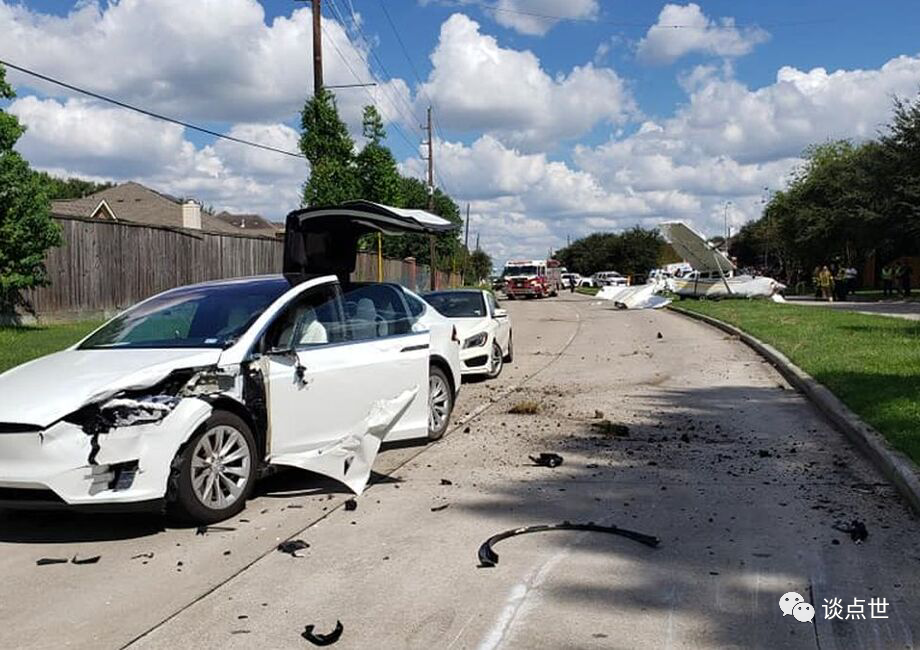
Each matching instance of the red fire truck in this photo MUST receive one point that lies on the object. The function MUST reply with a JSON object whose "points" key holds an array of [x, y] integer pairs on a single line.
{"points": [[532, 278]]}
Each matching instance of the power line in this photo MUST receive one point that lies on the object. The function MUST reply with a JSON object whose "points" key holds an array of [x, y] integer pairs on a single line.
{"points": [[412, 145], [585, 19], [148, 113]]}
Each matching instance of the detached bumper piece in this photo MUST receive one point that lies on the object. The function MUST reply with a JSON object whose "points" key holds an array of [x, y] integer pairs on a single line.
{"points": [[489, 558]]}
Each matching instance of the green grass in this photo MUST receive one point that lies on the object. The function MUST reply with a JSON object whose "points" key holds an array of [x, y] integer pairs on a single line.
{"points": [[588, 291], [872, 363], [20, 344]]}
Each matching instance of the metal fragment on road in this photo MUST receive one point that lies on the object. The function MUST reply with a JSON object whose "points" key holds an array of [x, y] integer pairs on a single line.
{"points": [[489, 558], [323, 639], [546, 459], [292, 546]]}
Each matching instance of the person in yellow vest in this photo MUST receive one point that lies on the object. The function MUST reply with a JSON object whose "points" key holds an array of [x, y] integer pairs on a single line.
{"points": [[887, 281], [826, 282]]}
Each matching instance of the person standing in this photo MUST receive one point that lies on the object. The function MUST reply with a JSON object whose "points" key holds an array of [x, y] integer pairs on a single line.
{"points": [[887, 281], [840, 283], [852, 274], [904, 278], [816, 281], [826, 282]]}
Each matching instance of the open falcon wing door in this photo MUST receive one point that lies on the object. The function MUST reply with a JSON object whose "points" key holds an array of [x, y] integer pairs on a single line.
{"points": [[324, 240]]}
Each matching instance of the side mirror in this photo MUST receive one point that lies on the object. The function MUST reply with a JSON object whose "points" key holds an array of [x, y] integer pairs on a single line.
{"points": [[281, 351], [501, 313]]}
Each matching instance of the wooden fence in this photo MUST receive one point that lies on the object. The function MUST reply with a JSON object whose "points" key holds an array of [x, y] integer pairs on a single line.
{"points": [[103, 267]]}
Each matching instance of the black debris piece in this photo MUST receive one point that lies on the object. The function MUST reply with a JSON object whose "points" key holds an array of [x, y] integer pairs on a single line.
{"points": [[660, 336], [93, 559], [763, 453], [51, 560], [598, 414], [323, 639], [489, 558], [439, 508], [856, 529], [142, 556], [291, 546], [547, 459], [204, 530], [351, 504], [445, 481], [240, 631]]}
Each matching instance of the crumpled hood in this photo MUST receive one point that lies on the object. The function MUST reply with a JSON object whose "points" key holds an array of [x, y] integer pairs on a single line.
{"points": [[45, 390]]}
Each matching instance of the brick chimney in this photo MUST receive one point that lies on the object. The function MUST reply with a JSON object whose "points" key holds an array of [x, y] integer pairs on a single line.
{"points": [[191, 215]]}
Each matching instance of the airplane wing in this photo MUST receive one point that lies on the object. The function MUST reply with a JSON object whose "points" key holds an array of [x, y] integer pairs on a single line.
{"points": [[690, 245]]}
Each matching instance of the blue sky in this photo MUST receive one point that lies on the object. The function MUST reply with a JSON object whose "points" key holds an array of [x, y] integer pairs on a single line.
{"points": [[548, 129]]}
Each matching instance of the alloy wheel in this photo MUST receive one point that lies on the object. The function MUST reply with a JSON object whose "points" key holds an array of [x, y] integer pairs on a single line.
{"points": [[220, 467], [438, 402]]}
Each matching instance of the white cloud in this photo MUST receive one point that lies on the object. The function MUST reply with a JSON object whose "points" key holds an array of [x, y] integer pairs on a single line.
{"points": [[477, 85], [81, 138], [684, 29], [211, 60], [530, 16]]}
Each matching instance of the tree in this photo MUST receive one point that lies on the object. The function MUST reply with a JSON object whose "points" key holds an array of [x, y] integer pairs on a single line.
{"points": [[376, 167], [325, 142], [632, 252], [26, 228], [479, 266], [69, 188]]}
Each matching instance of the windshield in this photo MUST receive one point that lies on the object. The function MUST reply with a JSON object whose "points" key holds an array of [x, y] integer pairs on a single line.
{"points": [[190, 317], [458, 304], [521, 270]]}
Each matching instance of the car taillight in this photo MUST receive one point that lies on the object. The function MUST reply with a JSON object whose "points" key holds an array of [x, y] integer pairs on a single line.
{"points": [[454, 337]]}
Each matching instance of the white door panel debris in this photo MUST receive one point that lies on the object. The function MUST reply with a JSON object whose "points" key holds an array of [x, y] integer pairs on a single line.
{"points": [[642, 296], [349, 459]]}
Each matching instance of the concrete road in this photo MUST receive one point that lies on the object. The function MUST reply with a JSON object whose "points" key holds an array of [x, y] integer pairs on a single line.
{"points": [[740, 478]]}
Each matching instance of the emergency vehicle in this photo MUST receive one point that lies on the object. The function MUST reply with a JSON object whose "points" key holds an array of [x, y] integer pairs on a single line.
{"points": [[532, 278]]}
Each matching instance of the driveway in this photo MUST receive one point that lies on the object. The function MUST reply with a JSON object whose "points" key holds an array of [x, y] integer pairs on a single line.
{"points": [[740, 478]]}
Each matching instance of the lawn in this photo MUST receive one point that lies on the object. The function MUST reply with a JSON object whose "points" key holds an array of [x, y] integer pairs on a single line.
{"points": [[872, 363], [20, 344]]}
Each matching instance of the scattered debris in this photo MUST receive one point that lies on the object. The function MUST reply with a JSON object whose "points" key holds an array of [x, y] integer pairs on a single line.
{"points": [[527, 407], [684, 437], [659, 336], [547, 459], [439, 508], [323, 639], [445, 481], [240, 631], [204, 530], [51, 560], [611, 428], [489, 558], [598, 414], [764, 453], [144, 556], [351, 504], [93, 559], [291, 547], [856, 530]]}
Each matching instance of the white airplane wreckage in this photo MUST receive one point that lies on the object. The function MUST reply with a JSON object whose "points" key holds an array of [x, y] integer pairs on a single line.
{"points": [[713, 276]]}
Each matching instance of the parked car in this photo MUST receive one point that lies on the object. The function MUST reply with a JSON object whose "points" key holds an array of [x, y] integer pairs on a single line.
{"points": [[587, 282], [570, 279], [610, 279], [484, 328], [185, 398]]}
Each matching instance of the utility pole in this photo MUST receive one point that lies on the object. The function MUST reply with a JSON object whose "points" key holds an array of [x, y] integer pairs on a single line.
{"points": [[317, 47], [317, 44], [466, 238], [429, 142]]}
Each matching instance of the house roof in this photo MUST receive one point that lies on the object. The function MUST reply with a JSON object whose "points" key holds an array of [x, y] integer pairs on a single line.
{"points": [[137, 203], [250, 222]]}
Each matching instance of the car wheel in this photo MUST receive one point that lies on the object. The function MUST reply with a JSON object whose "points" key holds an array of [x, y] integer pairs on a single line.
{"points": [[440, 403], [497, 361], [509, 356], [215, 471]]}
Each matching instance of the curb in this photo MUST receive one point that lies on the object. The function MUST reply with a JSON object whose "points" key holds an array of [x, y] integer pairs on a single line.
{"points": [[893, 465]]}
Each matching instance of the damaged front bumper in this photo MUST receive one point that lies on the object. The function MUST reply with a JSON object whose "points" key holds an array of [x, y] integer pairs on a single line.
{"points": [[64, 465]]}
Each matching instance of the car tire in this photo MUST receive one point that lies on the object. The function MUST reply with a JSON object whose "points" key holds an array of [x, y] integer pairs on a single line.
{"points": [[197, 497], [509, 355], [440, 403], [498, 361]]}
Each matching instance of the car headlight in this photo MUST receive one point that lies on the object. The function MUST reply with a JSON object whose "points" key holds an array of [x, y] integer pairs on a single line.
{"points": [[476, 341]]}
